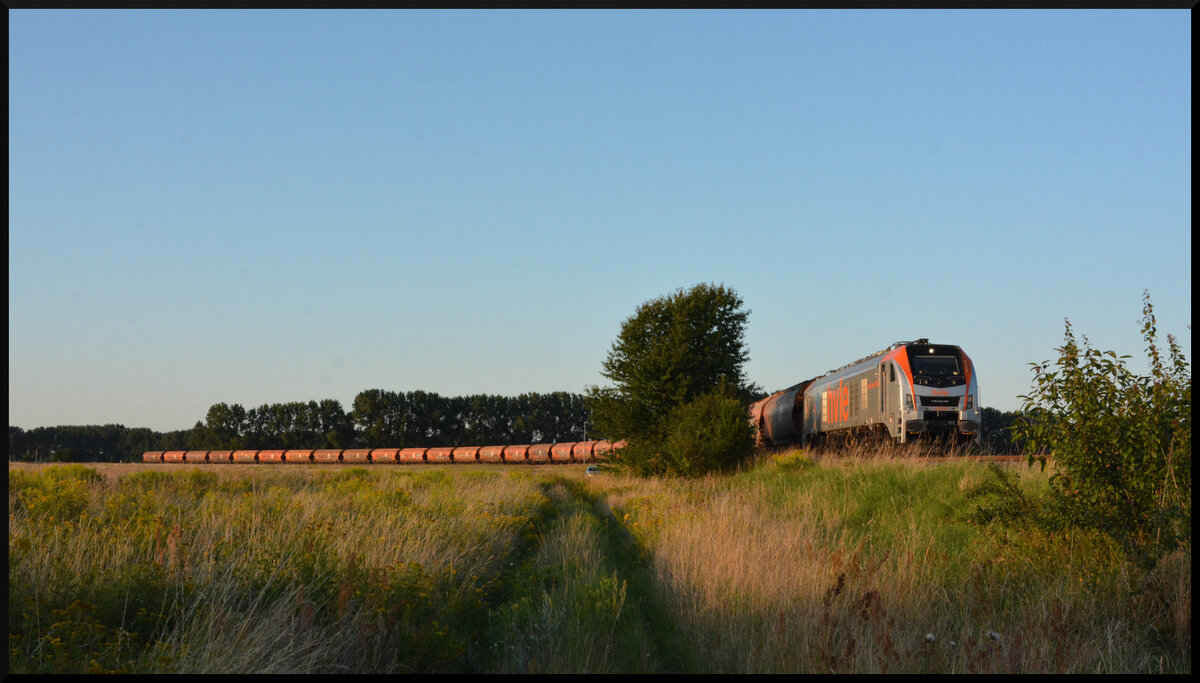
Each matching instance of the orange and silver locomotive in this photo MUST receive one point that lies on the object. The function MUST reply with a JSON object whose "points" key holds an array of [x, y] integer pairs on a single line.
{"points": [[908, 390]]}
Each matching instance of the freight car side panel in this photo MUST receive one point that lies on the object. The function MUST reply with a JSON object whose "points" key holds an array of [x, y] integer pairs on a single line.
{"points": [[582, 452], [411, 455], [298, 456], [270, 456], [465, 454], [561, 452], [518, 453], [384, 455], [440, 454], [245, 456], [356, 455], [327, 455], [782, 416]]}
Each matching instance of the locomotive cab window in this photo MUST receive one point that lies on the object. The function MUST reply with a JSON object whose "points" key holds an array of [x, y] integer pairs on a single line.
{"points": [[938, 366], [935, 366]]}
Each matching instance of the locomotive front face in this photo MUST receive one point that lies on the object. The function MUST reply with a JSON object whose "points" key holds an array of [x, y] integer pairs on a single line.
{"points": [[936, 366], [943, 395]]}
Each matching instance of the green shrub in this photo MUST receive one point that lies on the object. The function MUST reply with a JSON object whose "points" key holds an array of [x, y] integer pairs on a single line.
{"points": [[998, 498], [1120, 442], [709, 434], [59, 493]]}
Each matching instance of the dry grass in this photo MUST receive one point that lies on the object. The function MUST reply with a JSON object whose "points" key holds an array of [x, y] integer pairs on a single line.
{"points": [[858, 564], [852, 569]]}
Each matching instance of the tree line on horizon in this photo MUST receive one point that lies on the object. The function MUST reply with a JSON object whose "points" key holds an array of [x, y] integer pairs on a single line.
{"points": [[378, 419]]}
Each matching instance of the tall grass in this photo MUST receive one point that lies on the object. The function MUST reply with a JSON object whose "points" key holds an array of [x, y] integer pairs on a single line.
{"points": [[798, 564], [876, 566], [295, 572], [572, 608]]}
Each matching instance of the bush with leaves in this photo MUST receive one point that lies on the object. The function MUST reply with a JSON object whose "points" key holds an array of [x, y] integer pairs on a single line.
{"points": [[1121, 443], [670, 353], [709, 434]]}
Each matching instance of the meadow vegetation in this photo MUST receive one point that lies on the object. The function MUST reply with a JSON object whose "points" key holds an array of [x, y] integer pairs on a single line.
{"points": [[1121, 442], [798, 562]]}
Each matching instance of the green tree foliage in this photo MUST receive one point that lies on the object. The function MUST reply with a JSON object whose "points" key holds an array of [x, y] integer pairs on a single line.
{"points": [[408, 419], [672, 351], [378, 419], [228, 423], [419, 418], [548, 418], [199, 438], [997, 431], [93, 443], [332, 425], [1120, 442], [708, 434]]}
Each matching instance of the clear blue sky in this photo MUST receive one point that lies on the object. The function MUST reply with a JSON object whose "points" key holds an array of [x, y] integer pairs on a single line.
{"points": [[260, 207]]}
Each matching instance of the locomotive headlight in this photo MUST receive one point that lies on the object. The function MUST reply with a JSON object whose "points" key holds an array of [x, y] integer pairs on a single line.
{"points": [[970, 400], [908, 402]]}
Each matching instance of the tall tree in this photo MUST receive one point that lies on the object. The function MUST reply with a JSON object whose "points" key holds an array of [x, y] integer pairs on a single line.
{"points": [[673, 350], [334, 427], [378, 415], [225, 424]]}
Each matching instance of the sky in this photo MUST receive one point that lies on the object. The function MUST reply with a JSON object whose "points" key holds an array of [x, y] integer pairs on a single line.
{"points": [[259, 207]]}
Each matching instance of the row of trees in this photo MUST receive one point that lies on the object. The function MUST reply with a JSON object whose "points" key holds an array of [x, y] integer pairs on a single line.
{"points": [[382, 418], [93, 443], [377, 419]]}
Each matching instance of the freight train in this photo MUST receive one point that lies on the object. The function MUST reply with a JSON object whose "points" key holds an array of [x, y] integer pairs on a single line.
{"points": [[910, 389], [576, 452]]}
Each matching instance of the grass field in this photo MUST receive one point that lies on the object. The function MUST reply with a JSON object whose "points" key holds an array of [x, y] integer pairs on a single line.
{"points": [[842, 565]]}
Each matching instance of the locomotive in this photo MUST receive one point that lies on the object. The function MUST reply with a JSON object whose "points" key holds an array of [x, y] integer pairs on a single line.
{"points": [[910, 389]]}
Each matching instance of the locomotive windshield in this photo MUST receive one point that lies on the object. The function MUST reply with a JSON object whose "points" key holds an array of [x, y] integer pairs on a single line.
{"points": [[937, 366]]}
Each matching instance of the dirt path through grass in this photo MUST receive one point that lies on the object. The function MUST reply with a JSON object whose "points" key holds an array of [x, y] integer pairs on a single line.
{"points": [[580, 598]]}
